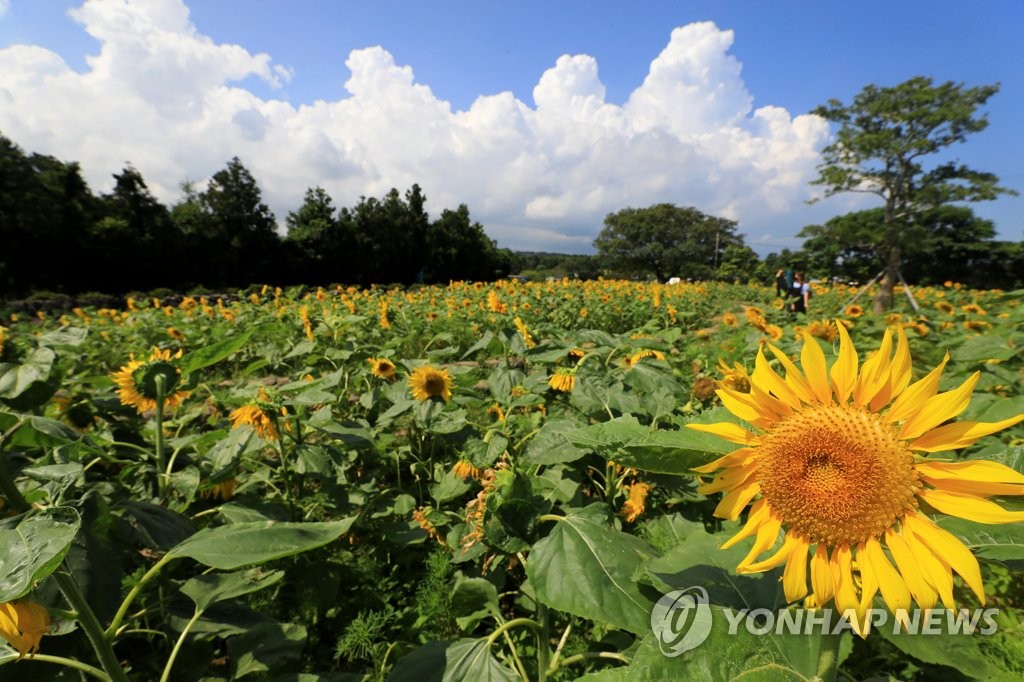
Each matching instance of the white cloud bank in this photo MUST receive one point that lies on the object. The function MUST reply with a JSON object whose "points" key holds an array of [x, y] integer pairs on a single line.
{"points": [[167, 98]]}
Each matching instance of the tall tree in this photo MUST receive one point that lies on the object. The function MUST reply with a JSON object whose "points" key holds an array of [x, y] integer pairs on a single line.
{"points": [[883, 140], [322, 246], [241, 229], [665, 241], [457, 248]]}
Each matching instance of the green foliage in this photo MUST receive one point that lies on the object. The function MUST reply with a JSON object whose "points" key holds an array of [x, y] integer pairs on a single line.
{"points": [[884, 137], [665, 241]]}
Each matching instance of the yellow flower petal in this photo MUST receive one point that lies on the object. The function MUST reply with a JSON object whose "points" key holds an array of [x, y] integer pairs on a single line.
{"points": [[949, 549], [894, 589], [910, 400], [791, 543], [844, 371], [794, 577], [933, 569], [899, 373], [960, 434], [821, 575], [755, 517], [734, 458], [794, 379], [729, 479], [908, 564], [765, 378], [940, 408], [740, 405], [767, 535], [733, 503], [875, 372], [812, 359], [734, 433], [969, 507]]}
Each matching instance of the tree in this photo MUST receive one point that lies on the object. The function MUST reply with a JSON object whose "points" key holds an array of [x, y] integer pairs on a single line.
{"points": [[665, 241], [944, 240], [459, 249], [240, 230], [739, 264], [880, 148]]}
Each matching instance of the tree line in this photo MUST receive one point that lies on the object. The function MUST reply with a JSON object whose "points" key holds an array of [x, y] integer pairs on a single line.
{"points": [[51, 225], [58, 236]]}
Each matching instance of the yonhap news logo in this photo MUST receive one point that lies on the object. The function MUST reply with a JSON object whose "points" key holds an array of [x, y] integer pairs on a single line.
{"points": [[681, 620]]}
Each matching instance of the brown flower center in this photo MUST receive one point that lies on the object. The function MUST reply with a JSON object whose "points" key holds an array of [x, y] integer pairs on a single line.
{"points": [[837, 474]]}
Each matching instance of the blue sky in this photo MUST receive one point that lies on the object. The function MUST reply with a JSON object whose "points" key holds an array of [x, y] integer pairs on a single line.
{"points": [[361, 97]]}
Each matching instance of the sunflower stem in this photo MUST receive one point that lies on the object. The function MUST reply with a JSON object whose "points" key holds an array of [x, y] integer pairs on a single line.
{"points": [[159, 444], [91, 625], [828, 657]]}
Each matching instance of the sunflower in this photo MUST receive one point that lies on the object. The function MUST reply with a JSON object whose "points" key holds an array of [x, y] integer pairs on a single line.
{"points": [[635, 504], [834, 462], [260, 421], [524, 332], [973, 309], [944, 307], [465, 469], [23, 624], [853, 310], [729, 320], [137, 381], [563, 380], [427, 382], [735, 377], [644, 353], [382, 367]]}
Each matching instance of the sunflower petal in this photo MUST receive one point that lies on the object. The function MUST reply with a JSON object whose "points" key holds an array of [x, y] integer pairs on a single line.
{"points": [[794, 379], [949, 549], [755, 517], [940, 408], [900, 371], [969, 507], [916, 394], [874, 374], [734, 433], [740, 405], [794, 577], [791, 543], [733, 503], [894, 589], [933, 568], [728, 479], [767, 535], [812, 359], [844, 370], [821, 576], [960, 434], [765, 378], [734, 458], [909, 567]]}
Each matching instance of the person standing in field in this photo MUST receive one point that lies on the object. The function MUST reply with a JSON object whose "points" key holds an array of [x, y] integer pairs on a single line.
{"points": [[799, 293], [781, 285]]}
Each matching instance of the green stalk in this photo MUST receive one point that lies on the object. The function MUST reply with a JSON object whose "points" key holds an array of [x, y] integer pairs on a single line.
{"points": [[160, 464], [91, 625], [828, 657], [111, 631], [543, 644], [177, 646], [86, 617], [70, 663]]}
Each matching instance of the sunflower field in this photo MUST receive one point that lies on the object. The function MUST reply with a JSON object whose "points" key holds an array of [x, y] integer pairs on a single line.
{"points": [[504, 482]]}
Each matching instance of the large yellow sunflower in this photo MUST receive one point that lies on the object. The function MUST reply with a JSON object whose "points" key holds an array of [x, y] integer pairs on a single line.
{"points": [[136, 381], [834, 461], [427, 382], [23, 624]]}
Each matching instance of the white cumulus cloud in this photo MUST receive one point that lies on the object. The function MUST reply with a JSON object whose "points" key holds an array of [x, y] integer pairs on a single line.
{"points": [[170, 100]]}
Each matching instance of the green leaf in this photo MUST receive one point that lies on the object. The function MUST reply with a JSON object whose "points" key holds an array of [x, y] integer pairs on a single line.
{"points": [[213, 353], [214, 587], [551, 446], [631, 444], [425, 664], [952, 649], [586, 568], [267, 647], [34, 549], [1001, 541], [471, 659], [16, 379], [244, 544], [158, 527]]}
